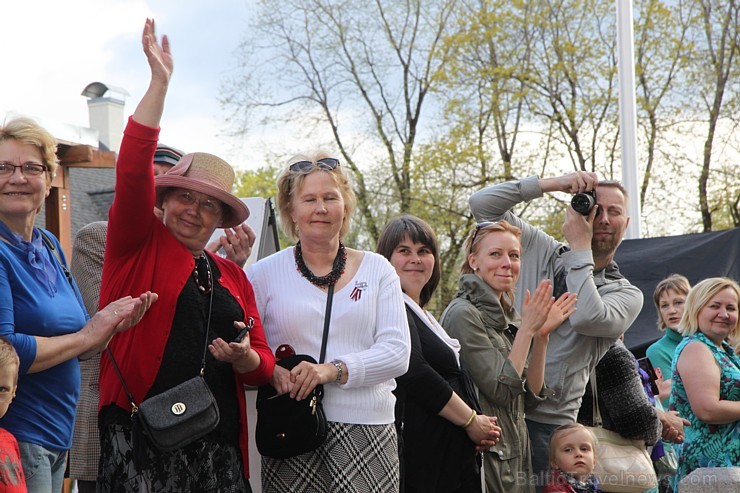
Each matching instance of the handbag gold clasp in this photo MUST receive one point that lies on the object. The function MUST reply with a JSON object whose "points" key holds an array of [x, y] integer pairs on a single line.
{"points": [[313, 405]]}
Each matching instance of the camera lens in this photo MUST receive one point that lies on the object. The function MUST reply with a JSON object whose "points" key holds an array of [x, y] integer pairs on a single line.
{"points": [[583, 202]]}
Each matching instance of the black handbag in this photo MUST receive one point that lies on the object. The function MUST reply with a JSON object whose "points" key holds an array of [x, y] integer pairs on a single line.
{"points": [[287, 427], [180, 415]]}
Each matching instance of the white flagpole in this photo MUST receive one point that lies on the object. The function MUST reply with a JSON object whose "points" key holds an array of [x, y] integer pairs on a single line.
{"points": [[627, 113]]}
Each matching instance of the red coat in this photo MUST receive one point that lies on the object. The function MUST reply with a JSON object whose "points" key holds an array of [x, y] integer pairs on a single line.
{"points": [[141, 255]]}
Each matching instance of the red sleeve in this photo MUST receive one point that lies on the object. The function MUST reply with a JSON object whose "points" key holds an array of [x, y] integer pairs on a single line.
{"points": [[235, 280], [263, 372], [131, 219]]}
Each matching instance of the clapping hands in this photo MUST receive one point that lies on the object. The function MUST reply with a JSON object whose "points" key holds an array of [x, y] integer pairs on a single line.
{"points": [[237, 243], [541, 313], [118, 316], [560, 311]]}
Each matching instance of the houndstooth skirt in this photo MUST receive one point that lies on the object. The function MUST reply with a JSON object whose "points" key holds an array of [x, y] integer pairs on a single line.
{"points": [[353, 459]]}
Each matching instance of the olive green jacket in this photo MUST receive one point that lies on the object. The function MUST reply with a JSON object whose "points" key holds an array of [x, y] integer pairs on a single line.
{"points": [[486, 331]]}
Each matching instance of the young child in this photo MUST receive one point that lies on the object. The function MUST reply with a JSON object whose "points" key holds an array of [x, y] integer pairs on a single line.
{"points": [[12, 479], [572, 460]]}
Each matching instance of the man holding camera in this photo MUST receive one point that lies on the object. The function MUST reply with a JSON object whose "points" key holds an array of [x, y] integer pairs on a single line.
{"points": [[607, 302]]}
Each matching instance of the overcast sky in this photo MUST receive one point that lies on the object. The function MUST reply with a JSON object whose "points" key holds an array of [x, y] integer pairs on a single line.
{"points": [[53, 49]]}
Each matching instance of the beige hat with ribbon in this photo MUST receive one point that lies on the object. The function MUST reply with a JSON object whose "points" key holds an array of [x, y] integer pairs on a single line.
{"points": [[207, 174]]}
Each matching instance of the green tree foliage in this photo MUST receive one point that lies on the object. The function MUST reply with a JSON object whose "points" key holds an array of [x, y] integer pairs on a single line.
{"points": [[715, 72], [428, 101], [361, 67], [257, 183]]}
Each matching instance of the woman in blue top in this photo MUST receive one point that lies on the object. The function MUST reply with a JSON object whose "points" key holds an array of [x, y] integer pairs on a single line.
{"points": [[669, 298], [706, 377], [41, 313]]}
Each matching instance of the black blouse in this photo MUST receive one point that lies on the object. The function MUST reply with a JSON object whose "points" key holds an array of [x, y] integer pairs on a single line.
{"points": [[437, 455]]}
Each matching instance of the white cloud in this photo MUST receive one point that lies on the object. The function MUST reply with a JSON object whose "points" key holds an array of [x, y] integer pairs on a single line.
{"points": [[54, 49]]}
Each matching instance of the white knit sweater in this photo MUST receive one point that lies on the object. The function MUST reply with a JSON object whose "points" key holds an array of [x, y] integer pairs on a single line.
{"points": [[369, 332]]}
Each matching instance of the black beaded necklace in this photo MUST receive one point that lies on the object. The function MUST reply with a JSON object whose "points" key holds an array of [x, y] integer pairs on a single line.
{"points": [[332, 277], [204, 286]]}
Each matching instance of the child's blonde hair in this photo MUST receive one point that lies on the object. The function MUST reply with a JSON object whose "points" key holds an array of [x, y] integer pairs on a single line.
{"points": [[8, 356], [564, 430]]}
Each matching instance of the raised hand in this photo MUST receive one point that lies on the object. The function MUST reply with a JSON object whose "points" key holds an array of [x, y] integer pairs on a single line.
{"points": [[578, 181], [159, 56], [149, 110], [564, 307], [237, 243], [579, 229]]}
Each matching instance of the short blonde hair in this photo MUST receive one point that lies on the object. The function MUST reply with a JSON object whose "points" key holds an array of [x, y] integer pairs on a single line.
{"points": [[27, 131], [675, 282], [9, 357], [289, 182], [564, 430], [699, 296]]}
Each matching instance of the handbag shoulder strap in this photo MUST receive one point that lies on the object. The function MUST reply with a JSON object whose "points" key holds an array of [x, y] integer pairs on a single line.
{"points": [[327, 319], [134, 407], [50, 245], [596, 416]]}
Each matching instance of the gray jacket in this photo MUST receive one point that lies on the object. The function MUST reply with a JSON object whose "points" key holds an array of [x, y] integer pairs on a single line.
{"points": [[607, 302]]}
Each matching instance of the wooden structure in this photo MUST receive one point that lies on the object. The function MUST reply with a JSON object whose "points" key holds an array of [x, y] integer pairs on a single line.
{"points": [[58, 203]]}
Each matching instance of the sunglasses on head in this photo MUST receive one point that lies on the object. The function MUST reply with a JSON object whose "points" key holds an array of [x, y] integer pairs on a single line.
{"points": [[327, 164], [478, 228]]}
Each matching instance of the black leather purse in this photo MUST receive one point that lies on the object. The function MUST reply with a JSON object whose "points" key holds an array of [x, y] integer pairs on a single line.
{"points": [[287, 427], [180, 415]]}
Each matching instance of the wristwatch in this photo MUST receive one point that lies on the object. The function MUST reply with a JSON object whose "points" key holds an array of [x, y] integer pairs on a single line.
{"points": [[340, 370]]}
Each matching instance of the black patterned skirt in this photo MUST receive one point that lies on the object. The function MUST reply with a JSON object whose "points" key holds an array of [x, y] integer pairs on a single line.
{"points": [[353, 459], [204, 466]]}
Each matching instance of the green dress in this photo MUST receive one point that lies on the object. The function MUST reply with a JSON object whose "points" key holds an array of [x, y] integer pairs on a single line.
{"points": [[708, 445]]}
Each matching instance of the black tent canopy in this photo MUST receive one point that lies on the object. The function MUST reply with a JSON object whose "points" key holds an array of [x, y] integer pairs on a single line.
{"points": [[645, 262]]}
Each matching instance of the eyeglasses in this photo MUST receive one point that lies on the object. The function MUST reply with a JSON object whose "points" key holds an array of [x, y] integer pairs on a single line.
{"points": [[327, 164], [209, 206], [478, 228], [28, 169]]}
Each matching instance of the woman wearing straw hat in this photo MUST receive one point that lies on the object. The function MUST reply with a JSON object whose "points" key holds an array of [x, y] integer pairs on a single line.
{"points": [[203, 299]]}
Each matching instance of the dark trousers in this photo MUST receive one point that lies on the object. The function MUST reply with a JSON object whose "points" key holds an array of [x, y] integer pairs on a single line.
{"points": [[539, 437], [85, 486]]}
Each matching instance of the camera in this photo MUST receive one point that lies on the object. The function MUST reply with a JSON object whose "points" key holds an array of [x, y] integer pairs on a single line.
{"points": [[583, 202]]}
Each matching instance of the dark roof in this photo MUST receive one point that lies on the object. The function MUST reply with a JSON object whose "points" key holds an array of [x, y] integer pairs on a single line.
{"points": [[91, 196]]}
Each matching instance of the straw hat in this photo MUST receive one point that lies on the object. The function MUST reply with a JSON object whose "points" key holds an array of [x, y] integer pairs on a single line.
{"points": [[208, 174]]}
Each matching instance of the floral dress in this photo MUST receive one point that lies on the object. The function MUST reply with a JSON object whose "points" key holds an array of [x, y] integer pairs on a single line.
{"points": [[708, 445]]}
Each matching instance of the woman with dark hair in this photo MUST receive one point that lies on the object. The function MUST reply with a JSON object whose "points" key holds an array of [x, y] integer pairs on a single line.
{"points": [[496, 345], [437, 410]]}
